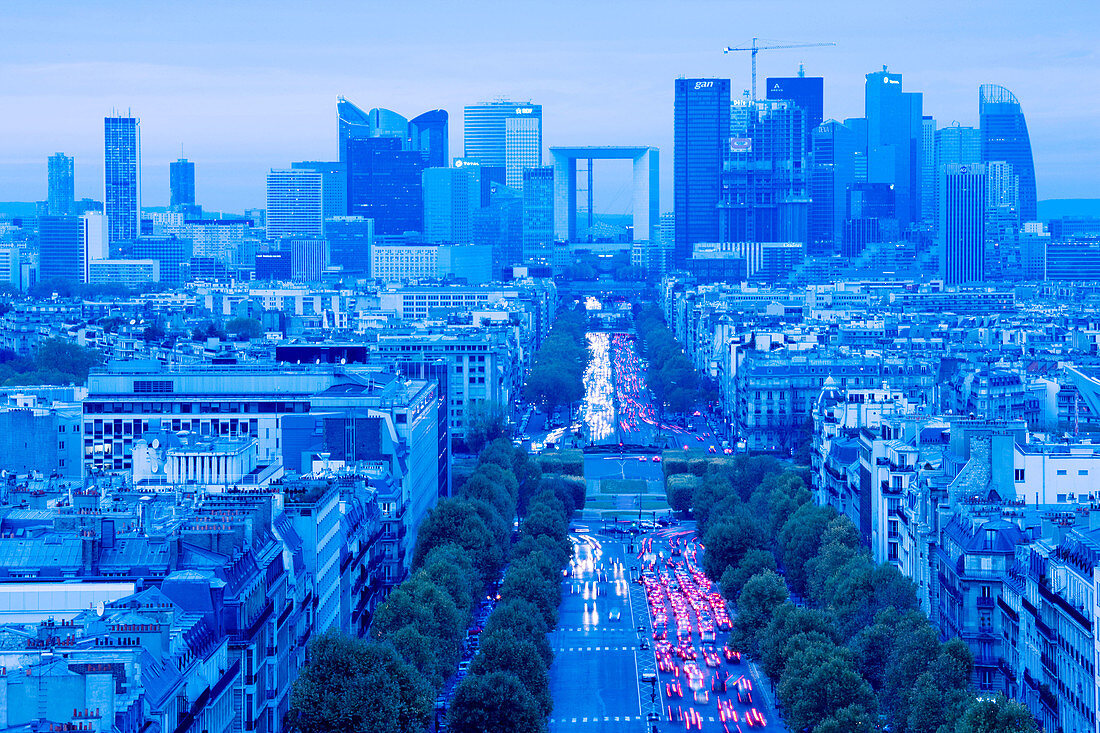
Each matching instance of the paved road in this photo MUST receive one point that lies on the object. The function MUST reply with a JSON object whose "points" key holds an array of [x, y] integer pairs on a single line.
{"points": [[594, 678]]}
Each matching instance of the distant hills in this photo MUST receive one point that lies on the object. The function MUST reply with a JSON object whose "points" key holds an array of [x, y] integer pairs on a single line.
{"points": [[1057, 208]]}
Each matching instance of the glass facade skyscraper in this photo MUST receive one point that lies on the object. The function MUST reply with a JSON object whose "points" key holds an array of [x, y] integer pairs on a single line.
{"points": [[429, 134], [122, 177], [182, 182], [504, 133], [961, 222], [384, 184], [895, 141], [701, 132], [294, 204], [1005, 138], [807, 92], [61, 248], [352, 124], [831, 174], [334, 185], [60, 195]]}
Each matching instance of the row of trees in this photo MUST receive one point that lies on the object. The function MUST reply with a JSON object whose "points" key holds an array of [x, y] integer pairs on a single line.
{"points": [[856, 648], [671, 376], [508, 688], [417, 633], [557, 375], [55, 361]]}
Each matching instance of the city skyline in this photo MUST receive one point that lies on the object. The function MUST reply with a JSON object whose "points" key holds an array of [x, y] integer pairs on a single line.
{"points": [[240, 108]]}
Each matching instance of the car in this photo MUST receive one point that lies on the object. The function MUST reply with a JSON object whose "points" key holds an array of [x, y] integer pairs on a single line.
{"points": [[614, 615], [702, 696], [641, 458], [685, 446], [710, 449], [656, 459], [699, 438]]}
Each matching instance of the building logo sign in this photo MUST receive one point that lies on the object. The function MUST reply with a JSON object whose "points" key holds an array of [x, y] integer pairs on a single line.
{"points": [[703, 85], [740, 144], [524, 110]]}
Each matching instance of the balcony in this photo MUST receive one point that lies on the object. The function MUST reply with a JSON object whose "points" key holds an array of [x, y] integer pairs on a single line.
{"points": [[1048, 663], [1045, 631], [985, 602]]}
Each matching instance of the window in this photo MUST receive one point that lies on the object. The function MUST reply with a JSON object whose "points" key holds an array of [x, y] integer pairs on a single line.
{"points": [[1083, 472], [1061, 472], [1019, 475]]}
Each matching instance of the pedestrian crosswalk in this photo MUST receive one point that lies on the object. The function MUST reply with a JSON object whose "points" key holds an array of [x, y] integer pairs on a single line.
{"points": [[594, 648], [614, 719]]}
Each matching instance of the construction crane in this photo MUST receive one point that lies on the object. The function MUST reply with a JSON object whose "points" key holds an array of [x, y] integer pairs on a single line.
{"points": [[755, 47]]}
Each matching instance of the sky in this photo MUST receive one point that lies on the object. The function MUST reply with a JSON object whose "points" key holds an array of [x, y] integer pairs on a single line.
{"points": [[241, 86]]}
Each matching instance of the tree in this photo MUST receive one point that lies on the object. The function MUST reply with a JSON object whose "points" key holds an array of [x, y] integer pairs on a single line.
{"points": [[451, 569], [485, 422], [728, 540], [800, 539], [494, 703], [679, 490], [762, 594], [243, 329], [996, 714], [734, 578], [66, 357], [819, 682], [457, 521], [523, 619], [355, 685], [851, 719], [785, 633], [427, 608], [503, 651], [525, 580]]}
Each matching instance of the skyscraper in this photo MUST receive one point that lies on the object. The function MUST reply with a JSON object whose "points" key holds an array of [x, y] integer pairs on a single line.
{"points": [[350, 239], [352, 124], [504, 133], [294, 204], [429, 134], [832, 172], [384, 184], [334, 185], [182, 181], [961, 225], [60, 195], [928, 171], [955, 145], [538, 213], [765, 180], [122, 177], [807, 92], [894, 141], [61, 248], [1005, 138], [452, 197], [701, 139]]}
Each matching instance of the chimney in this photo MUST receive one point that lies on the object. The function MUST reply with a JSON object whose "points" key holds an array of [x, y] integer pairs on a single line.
{"points": [[107, 532]]}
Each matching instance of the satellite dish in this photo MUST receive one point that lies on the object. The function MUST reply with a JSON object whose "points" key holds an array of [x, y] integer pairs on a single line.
{"points": [[100, 609], [156, 443]]}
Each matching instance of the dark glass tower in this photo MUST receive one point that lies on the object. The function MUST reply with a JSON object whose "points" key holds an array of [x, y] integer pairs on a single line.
{"points": [[701, 130], [61, 248], [122, 171], [831, 173], [1005, 138], [181, 176], [807, 92], [384, 184], [962, 222], [353, 124], [428, 134], [60, 193], [895, 141]]}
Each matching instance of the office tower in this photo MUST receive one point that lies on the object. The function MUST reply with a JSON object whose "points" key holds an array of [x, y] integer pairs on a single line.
{"points": [[1005, 138], [499, 225], [95, 236], [122, 176], [807, 92], [383, 122], [894, 141], [352, 124], [701, 138], [504, 133], [428, 133], [765, 180], [831, 173], [294, 204], [350, 239], [928, 171], [870, 216], [182, 181], [172, 254], [955, 145], [61, 248], [1003, 191], [384, 184], [452, 197], [309, 257], [334, 185], [522, 147], [60, 192], [538, 213], [961, 222]]}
